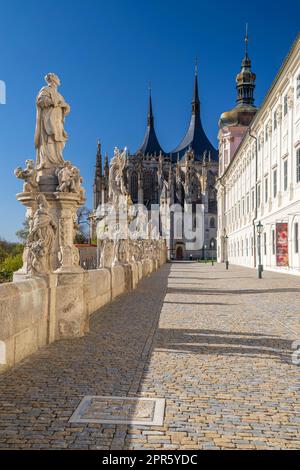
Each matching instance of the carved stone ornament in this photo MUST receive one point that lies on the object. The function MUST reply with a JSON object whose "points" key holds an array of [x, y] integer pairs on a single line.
{"points": [[117, 187], [29, 175], [69, 179], [41, 238]]}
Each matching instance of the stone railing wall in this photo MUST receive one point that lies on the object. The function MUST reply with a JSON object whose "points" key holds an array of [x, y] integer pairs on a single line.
{"points": [[37, 311], [52, 296]]}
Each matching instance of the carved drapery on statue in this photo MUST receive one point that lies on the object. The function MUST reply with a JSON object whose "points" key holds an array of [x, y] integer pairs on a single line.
{"points": [[117, 186], [52, 191], [50, 135], [41, 238], [69, 179]]}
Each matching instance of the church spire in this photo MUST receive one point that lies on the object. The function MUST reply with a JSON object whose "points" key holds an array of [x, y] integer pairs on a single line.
{"points": [[196, 101], [245, 79], [150, 145], [195, 138], [246, 41], [150, 120], [98, 171], [106, 166], [98, 177]]}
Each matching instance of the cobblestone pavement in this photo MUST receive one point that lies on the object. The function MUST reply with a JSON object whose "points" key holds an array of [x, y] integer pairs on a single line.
{"points": [[216, 344]]}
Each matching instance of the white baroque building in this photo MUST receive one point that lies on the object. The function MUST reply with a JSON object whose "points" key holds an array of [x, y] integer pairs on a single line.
{"points": [[259, 171]]}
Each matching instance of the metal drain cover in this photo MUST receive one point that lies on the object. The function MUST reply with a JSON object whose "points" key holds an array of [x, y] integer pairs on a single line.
{"points": [[120, 410]]}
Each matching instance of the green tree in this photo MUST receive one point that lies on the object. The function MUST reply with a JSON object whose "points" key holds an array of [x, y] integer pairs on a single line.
{"points": [[11, 264], [3, 254], [22, 234]]}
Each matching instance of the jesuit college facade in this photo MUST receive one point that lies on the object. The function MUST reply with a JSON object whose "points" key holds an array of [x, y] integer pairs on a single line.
{"points": [[259, 172]]}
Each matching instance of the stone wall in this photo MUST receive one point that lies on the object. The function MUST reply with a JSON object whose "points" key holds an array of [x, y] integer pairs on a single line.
{"points": [[23, 319], [38, 311]]}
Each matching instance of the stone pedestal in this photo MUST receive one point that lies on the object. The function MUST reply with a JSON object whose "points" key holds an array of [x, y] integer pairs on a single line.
{"points": [[71, 307], [63, 206]]}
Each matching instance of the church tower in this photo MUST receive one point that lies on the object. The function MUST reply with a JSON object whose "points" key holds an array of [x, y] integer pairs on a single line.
{"points": [[150, 145], [195, 138], [143, 165], [97, 187], [234, 124]]}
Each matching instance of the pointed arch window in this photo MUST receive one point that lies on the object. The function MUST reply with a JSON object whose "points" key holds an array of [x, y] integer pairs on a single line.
{"points": [[134, 186], [148, 186]]}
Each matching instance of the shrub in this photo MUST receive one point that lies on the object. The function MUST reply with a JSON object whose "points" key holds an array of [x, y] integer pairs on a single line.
{"points": [[11, 264]]}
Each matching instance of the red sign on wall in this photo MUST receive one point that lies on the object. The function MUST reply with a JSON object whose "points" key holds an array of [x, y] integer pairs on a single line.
{"points": [[282, 247]]}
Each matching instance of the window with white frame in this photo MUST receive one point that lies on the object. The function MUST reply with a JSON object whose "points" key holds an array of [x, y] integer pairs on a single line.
{"points": [[296, 237], [274, 121], [258, 195], [266, 189], [273, 242], [275, 183], [285, 174], [298, 165], [285, 105]]}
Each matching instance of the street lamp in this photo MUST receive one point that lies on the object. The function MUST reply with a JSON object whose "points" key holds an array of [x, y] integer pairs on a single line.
{"points": [[205, 248], [260, 229], [226, 252], [212, 244]]}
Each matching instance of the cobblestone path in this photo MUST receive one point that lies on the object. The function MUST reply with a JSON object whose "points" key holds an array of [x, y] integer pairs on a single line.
{"points": [[216, 344]]}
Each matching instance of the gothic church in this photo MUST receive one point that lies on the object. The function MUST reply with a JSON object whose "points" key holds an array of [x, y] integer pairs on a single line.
{"points": [[186, 175]]}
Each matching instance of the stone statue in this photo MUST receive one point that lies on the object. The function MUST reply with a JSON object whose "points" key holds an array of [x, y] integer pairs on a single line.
{"points": [[69, 179], [50, 135], [66, 178], [117, 185], [77, 180], [29, 175], [41, 238]]}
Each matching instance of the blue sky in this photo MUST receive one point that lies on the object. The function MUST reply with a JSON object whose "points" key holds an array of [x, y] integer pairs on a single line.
{"points": [[107, 52]]}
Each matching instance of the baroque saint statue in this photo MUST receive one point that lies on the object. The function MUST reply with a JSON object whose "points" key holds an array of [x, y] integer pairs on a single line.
{"points": [[117, 187], [29, 176], [41, 237], [50, 135]]}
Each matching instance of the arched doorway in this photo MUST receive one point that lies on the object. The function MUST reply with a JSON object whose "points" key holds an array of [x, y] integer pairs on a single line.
{"points": [[179, 252]]}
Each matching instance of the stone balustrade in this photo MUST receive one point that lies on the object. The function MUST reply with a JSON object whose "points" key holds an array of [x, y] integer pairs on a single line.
{"points": [[37, 311], [52, 297]]}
